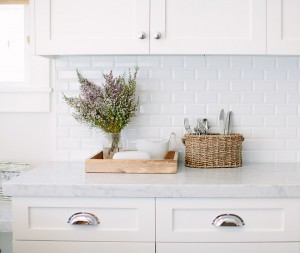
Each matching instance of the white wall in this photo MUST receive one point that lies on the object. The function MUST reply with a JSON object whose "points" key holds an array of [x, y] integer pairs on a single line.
{"points": [[27, 137], [262, 91]]}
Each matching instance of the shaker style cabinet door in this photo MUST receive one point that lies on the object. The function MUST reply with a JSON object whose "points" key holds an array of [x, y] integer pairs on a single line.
{"points": [[292, 247], [208, 27], [283, 27], [79, 247], [65, 27]]}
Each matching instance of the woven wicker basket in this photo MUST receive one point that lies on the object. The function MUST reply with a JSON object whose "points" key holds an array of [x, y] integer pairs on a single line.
{"points": [[213, 150]]}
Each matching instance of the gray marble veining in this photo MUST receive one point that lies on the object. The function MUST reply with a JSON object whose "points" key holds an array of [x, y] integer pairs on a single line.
{"points": [[70, 179]]}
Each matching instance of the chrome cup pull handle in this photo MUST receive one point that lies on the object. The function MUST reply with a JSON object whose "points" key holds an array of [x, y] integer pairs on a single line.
{"points": [[228, 220], [83, 218]]}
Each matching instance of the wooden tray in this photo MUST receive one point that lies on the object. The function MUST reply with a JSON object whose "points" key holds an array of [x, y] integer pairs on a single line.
{"points": [[96, 163]]}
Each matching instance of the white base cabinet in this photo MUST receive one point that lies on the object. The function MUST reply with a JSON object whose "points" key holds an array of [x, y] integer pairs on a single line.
{"points": [[228, 247], [149, 225], [79, 247]]}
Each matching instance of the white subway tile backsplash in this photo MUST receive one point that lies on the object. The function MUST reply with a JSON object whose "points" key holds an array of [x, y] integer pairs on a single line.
{"points": [[184, 97], [241, 86], [80, 132], [283, 86], [252, 74], [293, 144], [230, 74], [207, 97], [103, 61], [262, 91], [62, 132], [293, 121], [149, 86], [149, 61], [184, 74], [285, 156], [293, 98], [276, 75], [126, 61], [67, 120], [240, 109], [172, 61], [242, 62], [195, 62], [163, 121], [264, 62], [161, 74], [286, 132], [264, 86], [263, 132], [67, 74], [172, 109], [173, 86], [161, 97], [275, 121], [288, 62], [218, 61], [80, 155], [275, 98], [229, 98], [206, 75], [294, 75], [195, 109], [195, 86], [286, 109], [275, 144], [252, 98], [71, 143], [263, 109], [253, 121], [80, 62], [150, 109], [218, 86]]}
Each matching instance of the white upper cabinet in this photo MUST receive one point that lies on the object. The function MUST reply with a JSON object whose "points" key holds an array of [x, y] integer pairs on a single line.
{"points": [[208, 26], [91, 26], [74, 27], [283, 27]]}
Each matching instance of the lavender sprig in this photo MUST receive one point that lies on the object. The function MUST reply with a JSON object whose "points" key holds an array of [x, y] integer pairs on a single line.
{"points": [[109, 107]]}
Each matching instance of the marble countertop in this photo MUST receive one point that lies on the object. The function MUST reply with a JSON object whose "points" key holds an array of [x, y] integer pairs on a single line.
{"points": [[5, 216], [70, 179]]}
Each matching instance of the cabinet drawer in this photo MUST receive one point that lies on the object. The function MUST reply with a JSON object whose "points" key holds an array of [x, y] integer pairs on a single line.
{"points": [[121, 219], [79, 247], [191, 220], [227, 247]]}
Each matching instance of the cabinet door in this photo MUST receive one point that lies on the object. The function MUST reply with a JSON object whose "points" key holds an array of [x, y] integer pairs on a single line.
{"points": [[91, 26], [65, 219], [208, 26], [283, 27], [227, 247], [212, 220], [79, 247]]}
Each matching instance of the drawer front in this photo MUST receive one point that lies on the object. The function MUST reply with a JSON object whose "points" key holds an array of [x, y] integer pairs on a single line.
{"points": [[227, 247], [191, 220], [79, 247], [121, 219]]}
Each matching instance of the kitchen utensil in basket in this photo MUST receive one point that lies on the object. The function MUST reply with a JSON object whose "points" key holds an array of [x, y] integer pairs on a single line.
{"points": [[213, 150]]}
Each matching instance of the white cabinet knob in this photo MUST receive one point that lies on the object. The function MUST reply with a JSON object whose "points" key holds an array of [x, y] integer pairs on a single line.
{"points": [[157, 35], [141, 35]]}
